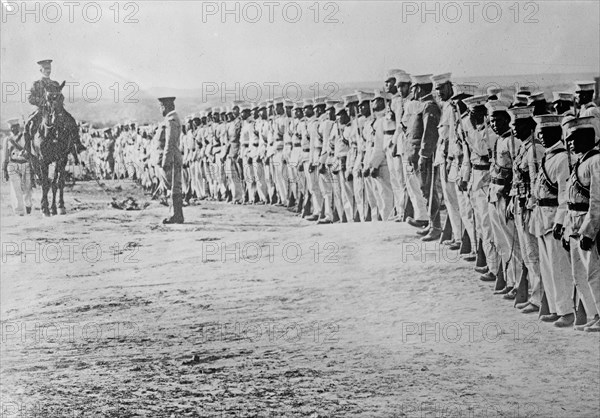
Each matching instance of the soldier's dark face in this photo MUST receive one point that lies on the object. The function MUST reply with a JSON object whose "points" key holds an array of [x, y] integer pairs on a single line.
{"points": [[378, 104], [262, 113], [352, 109], [230, 117], [309, 111], [298, 113], [561, 106], [478, 114], [15, 129], [584, 97], [236, 112], [216, 117], [499, 122], [404, 89], [245, 114], [288, 111], [550, 135], [582, 140], [445, 91], [280, 110], [364, 108], [319, 110], [343, 117], [390, 86]]}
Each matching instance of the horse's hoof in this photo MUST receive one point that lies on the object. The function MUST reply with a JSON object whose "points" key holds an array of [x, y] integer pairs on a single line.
{"points": [[62, 211], [54, 211], [46, 213]]}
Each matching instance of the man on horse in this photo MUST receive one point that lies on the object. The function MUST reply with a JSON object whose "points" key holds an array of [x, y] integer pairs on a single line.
{"points": [[38, 98]]}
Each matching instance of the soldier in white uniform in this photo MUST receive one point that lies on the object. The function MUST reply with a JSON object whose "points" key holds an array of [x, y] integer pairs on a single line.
{"points": [[525, 170], [547, 220], [583, 218], [16, 168], [503, 228]]}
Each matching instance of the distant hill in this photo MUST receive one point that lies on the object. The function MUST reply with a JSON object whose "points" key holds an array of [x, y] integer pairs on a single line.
{"points": [[106, 113]]}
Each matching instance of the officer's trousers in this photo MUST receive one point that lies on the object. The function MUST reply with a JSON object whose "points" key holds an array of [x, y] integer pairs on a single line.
{"points": [[413, 188]]}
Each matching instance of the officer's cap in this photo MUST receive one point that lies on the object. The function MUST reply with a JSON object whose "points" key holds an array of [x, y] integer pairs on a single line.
{"points": [[45, 63], [166, 100], [440, 79], [403, 77], [547, 121], [585, 86], [13, 122]]}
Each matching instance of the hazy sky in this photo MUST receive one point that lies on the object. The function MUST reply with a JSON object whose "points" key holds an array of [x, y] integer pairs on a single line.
{"points": [[179, 44]]}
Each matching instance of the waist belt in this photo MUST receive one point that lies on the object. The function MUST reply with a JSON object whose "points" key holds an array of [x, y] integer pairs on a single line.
{"points": [[579, 207], [17, 161], [482, 167], [246, 145], [305, 149], [499, 181], [391, 132], [297, 145], [548, 202]]}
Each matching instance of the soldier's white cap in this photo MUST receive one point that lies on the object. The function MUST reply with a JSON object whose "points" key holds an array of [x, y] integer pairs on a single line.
{"points": [[339, 107], [202, 114], [224, 110], [574, 124], [44, 63], [269, 102], [494, 91], [278, 101], [106, 130], [521, 98], [288, 103], [216, 110], [330, 103], [13, 122], [421, 79], [307, 103], [262, 105], [349, 98], [364, 96], [208, 110], [237, 103], [440, 79], [320, 101], [377, 94], [547, 121], [298, 105], [403, 77], [522, 112], [585, 86], [562, 95], [228, 109], [392, 74], [244, 106], [253, 106], [474, 101], [496, 106], [536, 97], [461, 95]]}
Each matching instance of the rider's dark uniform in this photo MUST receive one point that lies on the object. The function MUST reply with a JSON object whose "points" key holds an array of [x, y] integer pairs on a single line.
{"points": [[37, 97]]}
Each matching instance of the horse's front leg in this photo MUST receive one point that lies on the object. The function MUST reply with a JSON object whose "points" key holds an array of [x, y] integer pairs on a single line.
{"points": [[45, 188], [53, 209], [61, 186]]}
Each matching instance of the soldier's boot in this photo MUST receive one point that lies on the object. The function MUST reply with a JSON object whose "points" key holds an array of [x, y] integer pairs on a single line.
{"points": [[177, 217]]}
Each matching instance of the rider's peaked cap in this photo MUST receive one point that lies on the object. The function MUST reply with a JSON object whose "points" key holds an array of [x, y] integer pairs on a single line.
{"points": [[165, 100], [44, 63]]}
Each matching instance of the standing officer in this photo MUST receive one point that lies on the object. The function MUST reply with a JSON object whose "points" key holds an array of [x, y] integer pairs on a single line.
{"points": [[171, 159], [421, 142], [583, 219], [17, 169]]}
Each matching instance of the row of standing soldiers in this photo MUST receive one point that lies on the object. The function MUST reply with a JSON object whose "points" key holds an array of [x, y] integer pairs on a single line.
{"points": [[519, 179]]}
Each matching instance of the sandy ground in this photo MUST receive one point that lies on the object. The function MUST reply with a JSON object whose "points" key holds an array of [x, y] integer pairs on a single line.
{"points": [[250, 311]]}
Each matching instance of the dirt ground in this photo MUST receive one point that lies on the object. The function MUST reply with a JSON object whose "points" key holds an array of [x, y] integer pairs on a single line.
{"points": [[251, 311]]}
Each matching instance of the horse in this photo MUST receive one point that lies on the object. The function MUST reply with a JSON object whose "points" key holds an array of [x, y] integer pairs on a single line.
{"points": [[53, 143]]}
